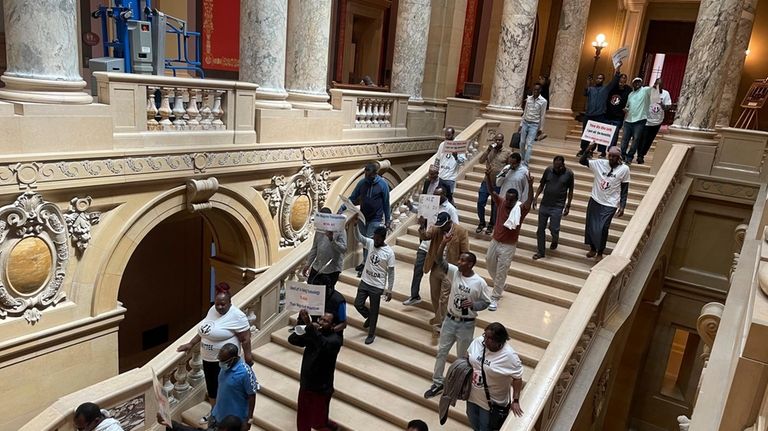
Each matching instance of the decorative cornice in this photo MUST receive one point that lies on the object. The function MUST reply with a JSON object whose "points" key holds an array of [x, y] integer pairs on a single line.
{"points": [[741, 192]]}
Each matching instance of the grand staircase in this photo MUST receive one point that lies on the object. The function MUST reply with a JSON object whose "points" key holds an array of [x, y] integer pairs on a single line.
{"points": [[380, 386]]}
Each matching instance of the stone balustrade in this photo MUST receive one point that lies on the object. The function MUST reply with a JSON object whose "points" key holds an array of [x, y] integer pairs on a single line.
{"points": [[371, 113], [548, 386], [170, 110]]}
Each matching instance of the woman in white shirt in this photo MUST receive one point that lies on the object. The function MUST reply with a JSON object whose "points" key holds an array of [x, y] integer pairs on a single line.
{"points": [[223, 324]]}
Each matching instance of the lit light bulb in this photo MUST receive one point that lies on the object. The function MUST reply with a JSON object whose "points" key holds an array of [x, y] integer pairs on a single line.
{"points": [[746, 52], [600, 38]]}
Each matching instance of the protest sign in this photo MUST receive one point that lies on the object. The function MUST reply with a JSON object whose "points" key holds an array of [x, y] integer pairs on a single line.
{"points": [[429, 207], [330, 222], [600, 133], [163, 406], [351, 206], [450, 147], [619, 55], [303, 296]]}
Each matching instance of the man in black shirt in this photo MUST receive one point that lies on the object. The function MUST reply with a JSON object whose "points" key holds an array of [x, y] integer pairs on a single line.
{"points": [[614, 110], [321, 347], [557, 185]]}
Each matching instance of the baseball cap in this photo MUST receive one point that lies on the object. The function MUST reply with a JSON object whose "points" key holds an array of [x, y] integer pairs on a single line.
{"points": [[442, 219], [637, 79]]}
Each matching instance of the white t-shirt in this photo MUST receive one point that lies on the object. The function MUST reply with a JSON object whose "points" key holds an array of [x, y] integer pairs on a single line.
{"points": [[656, 106], [448, 165], [606, 189], [216, 330], [474, 288], [500, 369], [379, 261], [451, 210]]}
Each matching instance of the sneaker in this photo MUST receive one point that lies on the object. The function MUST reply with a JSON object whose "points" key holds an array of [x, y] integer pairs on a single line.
{"points": [[204, 420], [580, 153], [494, 305], [367, 323], [480, 227], [433, 391], [553, 246], [489, 231], [369, 339], [360, 267], [640, 160], [412, 301]]}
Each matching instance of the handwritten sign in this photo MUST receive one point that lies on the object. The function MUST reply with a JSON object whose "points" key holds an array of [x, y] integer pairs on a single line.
{"points": [[429, 207], [619, 56], [303, 296], [330, 222], [600, 133], [351, 206], [163, 406], [450, 147]]}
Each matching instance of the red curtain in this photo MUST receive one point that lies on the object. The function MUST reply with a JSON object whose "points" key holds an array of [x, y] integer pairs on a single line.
{"points": [[672, 74]]}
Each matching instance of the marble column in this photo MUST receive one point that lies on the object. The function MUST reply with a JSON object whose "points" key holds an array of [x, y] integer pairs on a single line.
{"points": [[565, 65], [517, 23], [735, 63], [410, 57], [41, 51], [263, 30], [306, 66]]}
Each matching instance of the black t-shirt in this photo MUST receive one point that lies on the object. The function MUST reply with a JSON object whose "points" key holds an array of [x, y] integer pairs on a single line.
{"points": [[319, 362], [557, 185], [617, 100]]}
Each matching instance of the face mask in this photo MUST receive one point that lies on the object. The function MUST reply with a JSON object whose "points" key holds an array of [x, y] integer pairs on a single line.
{"points": [[224, 365]]}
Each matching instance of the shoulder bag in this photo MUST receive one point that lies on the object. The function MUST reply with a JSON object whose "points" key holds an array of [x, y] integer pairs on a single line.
{"points": [[498, 413]]}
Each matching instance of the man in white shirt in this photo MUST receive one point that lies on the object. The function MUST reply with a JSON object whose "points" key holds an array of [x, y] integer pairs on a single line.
{"points": [[469, 294], [513, 176], [533, 120], [378, 277], [495, 367], [449, 163], [660, 102], [609, 197]]}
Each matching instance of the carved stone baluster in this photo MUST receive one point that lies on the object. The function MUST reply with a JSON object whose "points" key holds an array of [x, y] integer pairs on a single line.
{"points": [[368, 113], [181, 388], [192, 112], [196, 375], [396, 216], [205, 111], [217, 111], [359, 114], [387, 113], [165, 110], [168, 389], [178, 110], [152, 123], [252, 320], [375, 113]]}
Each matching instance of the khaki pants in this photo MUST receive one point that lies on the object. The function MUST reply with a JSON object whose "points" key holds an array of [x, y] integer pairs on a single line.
{"points": [[439, 289], [499, 259]]}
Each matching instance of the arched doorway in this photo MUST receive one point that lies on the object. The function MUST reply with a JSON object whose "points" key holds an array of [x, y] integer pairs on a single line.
{"points": [[167, 284]]}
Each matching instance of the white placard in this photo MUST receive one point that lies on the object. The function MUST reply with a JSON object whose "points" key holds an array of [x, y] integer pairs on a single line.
{"points": [[429, 207], [330, 222], [163, 406], [619, 55], [450, 147], [600, 133], [351, 206], [303, 296]]}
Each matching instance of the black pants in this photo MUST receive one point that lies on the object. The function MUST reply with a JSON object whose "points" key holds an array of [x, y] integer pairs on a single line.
{"points": [[211, 372], [367, 292], [327, 280], [418, 273], [649, 134]]}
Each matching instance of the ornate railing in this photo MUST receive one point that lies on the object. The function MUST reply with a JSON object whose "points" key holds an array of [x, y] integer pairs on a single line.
{"points": [[261, 300], [371, 113], [154, 104], [547, 387]]}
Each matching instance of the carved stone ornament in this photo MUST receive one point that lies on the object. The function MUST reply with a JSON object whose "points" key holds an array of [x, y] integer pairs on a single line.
{"points": [[80, 221], [33, 256], [601, 390], [294, 200], [199, 192], [708, 322]]}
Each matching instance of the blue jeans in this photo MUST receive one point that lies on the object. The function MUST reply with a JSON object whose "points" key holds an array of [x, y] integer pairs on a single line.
{"points": [[367, 231], [450, 183], [632, 131], [615, 139], [479, 418], [452, 332], [482, 197], [527, 136]]}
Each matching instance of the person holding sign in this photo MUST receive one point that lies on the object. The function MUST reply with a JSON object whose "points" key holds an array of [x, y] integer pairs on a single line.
{"points": [[533, 121], [378, 278], [659, 103], [318, 364], [449, 163], [597, 98], [614, 114], [467, 294], [609, 197], [433, 181], [637, 115]]}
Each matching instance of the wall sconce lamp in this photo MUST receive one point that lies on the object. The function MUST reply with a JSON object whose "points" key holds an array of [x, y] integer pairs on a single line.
{"points": [[599, 43]]}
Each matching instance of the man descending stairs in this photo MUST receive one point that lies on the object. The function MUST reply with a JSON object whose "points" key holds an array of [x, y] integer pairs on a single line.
{"points": [[381, 386]]}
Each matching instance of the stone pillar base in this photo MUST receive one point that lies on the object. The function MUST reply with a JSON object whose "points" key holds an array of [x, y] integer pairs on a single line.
{"points": [[559, 123], [704, 149], [271, 99], [508, 117], [318, 102], [44, 91]]}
